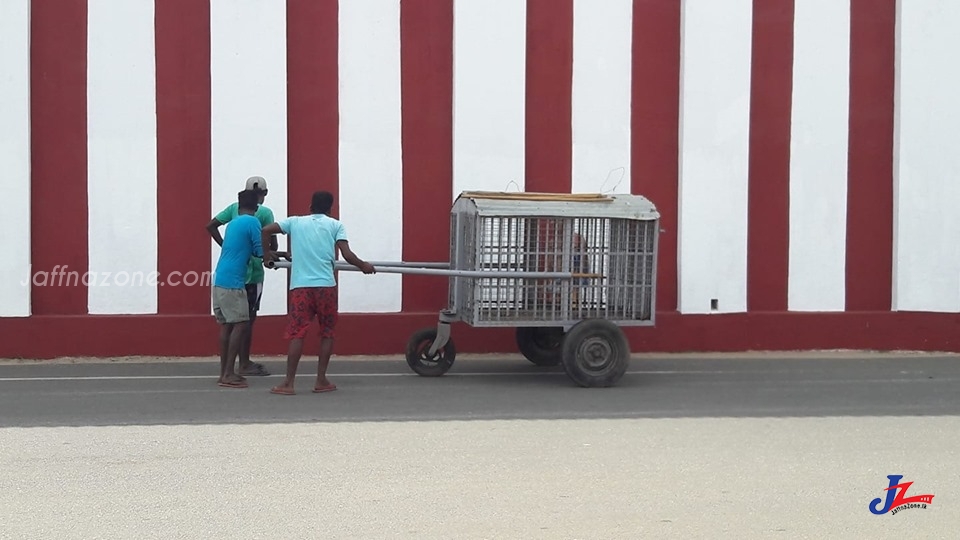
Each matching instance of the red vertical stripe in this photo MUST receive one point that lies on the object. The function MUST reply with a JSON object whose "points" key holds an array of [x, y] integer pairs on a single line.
{"points": [[655, 128], [771, 89], [313, 110], [426, 78], [869, 246], [313, 113], [183, 151], [549, 85], [58, 115]]}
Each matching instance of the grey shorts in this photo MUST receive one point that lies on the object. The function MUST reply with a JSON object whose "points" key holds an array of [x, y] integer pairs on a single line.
{"points": [[230, 305]]}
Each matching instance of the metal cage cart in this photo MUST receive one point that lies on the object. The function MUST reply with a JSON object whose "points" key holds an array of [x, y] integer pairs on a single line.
{"points": [[566, 271]]}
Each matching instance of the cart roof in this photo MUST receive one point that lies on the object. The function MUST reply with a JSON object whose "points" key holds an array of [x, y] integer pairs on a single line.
{"points": [[585, 205]]}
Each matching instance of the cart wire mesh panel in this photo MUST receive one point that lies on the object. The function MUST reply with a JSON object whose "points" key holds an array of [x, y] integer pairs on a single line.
{"points": [[609, 243]]}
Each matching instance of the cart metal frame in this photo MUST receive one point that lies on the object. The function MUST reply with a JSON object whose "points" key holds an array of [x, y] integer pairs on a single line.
{"points": [[567, 271]]}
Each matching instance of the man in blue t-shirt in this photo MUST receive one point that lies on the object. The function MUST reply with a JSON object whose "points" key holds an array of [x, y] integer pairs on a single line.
{"points": [[241, 240], [314, 241], [254, 268]]}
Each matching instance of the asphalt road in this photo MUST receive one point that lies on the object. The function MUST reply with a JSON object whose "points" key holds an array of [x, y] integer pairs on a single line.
{"points": [[684, 448], [156, 393]]}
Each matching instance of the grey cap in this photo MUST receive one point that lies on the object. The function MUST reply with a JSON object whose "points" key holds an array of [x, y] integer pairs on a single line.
{"points": [[256, 183]]}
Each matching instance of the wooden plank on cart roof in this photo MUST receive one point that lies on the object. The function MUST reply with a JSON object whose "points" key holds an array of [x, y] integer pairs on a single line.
{"points": [[561, 205]]}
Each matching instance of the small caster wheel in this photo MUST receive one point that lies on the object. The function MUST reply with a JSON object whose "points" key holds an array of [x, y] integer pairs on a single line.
{"points": [[541, 346], [595, 353], [419, 359]]}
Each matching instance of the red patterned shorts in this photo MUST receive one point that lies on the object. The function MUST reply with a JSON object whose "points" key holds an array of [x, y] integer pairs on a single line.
{"points": [[310, 302]]}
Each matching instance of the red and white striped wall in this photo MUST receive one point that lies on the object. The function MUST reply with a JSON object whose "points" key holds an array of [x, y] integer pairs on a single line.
{"points": [[803, 154]]}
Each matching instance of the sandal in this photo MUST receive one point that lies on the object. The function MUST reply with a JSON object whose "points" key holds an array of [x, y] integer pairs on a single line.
{"points": [[257, 370]]}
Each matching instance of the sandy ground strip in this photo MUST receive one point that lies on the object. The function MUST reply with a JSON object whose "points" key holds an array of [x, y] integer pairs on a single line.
{"points": [[678, 478]]}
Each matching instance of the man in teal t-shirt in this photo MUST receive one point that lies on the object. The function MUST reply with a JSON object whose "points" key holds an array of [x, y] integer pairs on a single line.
{"points": [[254, 279]]}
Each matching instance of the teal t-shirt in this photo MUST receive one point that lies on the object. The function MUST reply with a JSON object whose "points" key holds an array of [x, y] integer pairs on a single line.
{"points": [[265, 215], [313, 242]]}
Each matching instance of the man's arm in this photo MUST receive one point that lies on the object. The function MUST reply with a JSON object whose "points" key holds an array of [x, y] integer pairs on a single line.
{"points": [[214, 229], [255, 237], [351, 257], [219, 220], [267, 234], [273, 237]]}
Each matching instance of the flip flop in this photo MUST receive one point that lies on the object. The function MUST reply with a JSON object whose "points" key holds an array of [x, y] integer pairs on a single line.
{"points": [[282, 391], [322, 389], [238, 384], [257, 371]]}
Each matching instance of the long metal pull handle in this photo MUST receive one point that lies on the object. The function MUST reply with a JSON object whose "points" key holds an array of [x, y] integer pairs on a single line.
{"points": [[407, 268], [285, 263]]}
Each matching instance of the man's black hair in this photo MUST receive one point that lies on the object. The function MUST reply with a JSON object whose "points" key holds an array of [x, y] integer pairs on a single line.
{"points": [[248, 200], [321, 203]]}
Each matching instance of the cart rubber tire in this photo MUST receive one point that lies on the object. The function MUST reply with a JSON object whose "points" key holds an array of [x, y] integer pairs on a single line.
{"points": [[542, 346], [596, 353], [424, 365]]}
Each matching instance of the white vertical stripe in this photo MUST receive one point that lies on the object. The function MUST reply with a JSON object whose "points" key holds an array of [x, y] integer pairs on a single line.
{"points": [[248, 84], [714, 150], [602, 47], [15, 156], [927, 193], [818, 155], [121, 157], [371, 164], [489, 94]]}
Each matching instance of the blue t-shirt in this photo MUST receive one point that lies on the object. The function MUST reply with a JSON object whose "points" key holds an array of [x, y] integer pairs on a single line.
{"points": [[313, 243], [265, 215], [241, 240]]}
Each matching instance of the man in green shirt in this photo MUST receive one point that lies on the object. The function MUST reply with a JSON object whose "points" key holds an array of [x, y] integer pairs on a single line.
{"points": [[254, 282]]}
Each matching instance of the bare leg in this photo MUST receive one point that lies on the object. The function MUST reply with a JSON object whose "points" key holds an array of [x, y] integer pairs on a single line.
{"points": [[245, 363], [233, 349], [224, 342], [326, 350], [294, 352]]}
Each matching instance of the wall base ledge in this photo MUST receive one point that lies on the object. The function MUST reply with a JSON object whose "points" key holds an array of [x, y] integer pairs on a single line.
{"points": [[53, 336]]}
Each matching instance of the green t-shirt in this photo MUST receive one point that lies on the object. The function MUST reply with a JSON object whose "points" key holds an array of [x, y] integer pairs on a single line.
{"points": [[265, 215]]}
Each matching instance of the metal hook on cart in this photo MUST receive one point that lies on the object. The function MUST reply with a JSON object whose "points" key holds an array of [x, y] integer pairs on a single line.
{"points": [[623, 172]]}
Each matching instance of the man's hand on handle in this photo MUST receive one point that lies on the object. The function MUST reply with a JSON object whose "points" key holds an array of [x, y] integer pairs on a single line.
{"points": [[269, 257]]}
